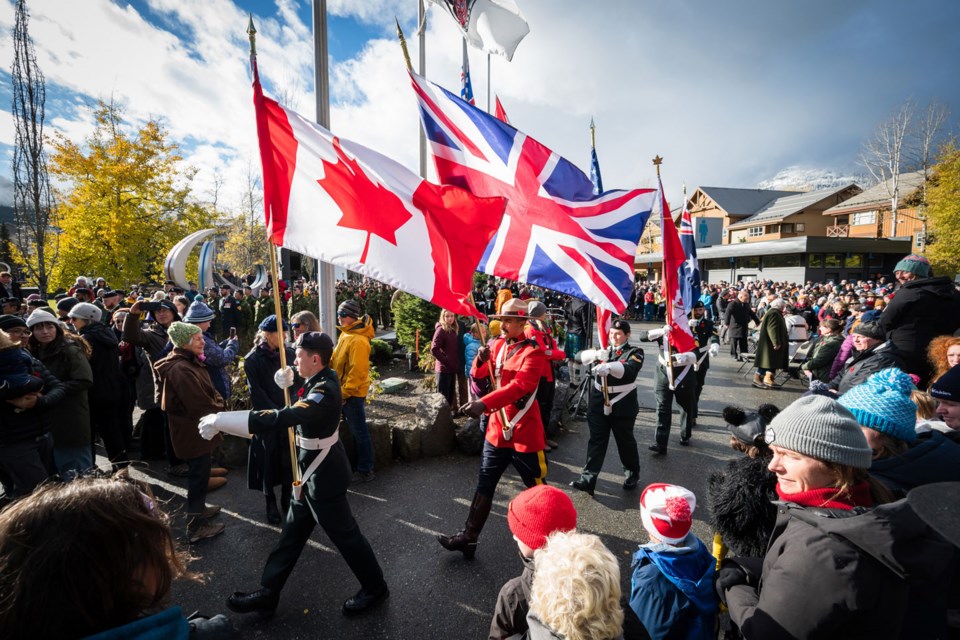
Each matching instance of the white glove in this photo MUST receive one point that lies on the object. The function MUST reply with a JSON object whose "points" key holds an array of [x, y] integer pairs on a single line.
{"points": [[713, 350], [658, 333], [683, 359], [614, 369], [667, 329], [589, 356], [235, 423], [283, 378]]}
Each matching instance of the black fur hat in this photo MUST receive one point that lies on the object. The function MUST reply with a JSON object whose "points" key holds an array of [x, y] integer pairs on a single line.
{"points": [[749, 428]]}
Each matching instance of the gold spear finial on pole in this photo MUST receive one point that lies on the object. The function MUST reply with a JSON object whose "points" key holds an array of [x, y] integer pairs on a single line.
{"points": [[593, 134], [403, 45]]}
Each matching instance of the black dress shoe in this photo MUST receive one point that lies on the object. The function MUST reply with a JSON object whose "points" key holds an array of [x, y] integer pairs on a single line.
{"points": [[364, 600], [657, 449], [264, 602], [631, 483], [273, 513], [581, 485], [685, 442]]}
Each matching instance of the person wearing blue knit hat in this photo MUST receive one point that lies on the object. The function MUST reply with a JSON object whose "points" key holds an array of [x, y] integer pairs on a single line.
{"points": [[902, 459]]}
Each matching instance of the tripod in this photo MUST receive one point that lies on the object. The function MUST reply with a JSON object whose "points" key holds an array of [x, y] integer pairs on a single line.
{"points": [[577, 401]]}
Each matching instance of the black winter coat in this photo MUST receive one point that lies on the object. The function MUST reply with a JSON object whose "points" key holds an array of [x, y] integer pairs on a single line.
{"points": [[920, 311], [934, 457], [737, 317], [17, 426], [108, 381], [863, 365], [833, 574]]}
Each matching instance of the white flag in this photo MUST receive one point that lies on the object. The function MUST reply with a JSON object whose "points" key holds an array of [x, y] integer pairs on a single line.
{"points": [[494, 26]]}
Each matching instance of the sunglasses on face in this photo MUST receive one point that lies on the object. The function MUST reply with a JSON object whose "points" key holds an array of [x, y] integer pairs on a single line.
{"points": [[295, 325]]}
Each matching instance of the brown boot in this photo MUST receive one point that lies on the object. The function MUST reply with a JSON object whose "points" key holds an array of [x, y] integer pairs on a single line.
{"points": [[768, 380], [466, 541], [758, 381], [215, 483]]}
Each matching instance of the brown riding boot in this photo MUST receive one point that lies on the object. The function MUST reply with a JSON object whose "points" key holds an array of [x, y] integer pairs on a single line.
{"points": [[466, 541], [768, 380]]}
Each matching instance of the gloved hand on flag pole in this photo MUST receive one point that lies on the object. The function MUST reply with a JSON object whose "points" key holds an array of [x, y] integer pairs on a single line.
{"points": [[684, 359]]}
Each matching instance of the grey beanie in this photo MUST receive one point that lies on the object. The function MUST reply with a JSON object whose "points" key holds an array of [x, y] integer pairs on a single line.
{"points": [[869, 330], [823, 429]]}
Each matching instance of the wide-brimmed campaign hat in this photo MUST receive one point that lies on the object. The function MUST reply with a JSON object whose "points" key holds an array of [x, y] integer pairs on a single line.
{"points": [[513, 308]]}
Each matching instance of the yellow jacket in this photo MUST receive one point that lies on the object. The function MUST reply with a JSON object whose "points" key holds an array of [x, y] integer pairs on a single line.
{"points": [[351, 358]]}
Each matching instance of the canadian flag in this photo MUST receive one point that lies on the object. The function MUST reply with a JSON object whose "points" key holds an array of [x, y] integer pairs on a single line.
{"points": [[347, 205], [681, 337]]}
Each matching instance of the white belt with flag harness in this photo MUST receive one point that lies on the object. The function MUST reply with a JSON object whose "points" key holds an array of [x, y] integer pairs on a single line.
{"points": [[511, 424], [314, 444]]}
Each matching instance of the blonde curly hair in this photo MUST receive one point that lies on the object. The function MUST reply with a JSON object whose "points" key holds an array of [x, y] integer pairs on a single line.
{"points": [[576, 587], [937, 355]]}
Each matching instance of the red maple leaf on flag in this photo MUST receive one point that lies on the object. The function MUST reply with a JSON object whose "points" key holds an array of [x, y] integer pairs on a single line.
{"points": [[366, 205]]}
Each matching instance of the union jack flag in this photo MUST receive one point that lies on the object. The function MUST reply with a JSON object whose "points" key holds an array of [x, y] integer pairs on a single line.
{"points": [[556, 233], [690, 270]]}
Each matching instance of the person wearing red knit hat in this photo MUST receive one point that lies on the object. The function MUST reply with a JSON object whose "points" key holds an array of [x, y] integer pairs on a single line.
{"points": [[671, 590], [532, 516]]}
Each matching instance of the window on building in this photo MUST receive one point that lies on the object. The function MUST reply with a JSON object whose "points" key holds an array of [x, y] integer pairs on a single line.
{"points": [[843, 219], [786, 227], [919, 239], [833, 260], [801, 227], [784, 260], [755, 232], [864, 217], [773, 228], [715, 263], [752, 262], [875, 260], [854, 261], [815, 260]]}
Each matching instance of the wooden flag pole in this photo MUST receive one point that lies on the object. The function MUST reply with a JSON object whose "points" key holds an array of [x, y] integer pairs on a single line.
{"points": [[272, 250], [668, 312]]}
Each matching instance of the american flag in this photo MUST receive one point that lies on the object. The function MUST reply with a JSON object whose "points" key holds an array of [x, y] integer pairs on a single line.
{"points": [[556, 233]]}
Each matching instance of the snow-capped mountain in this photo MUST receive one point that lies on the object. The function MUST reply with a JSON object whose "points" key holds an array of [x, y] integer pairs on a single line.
{"points": [[811, 179]]}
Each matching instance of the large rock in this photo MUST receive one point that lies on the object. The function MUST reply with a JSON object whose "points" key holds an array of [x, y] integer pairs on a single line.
{"points": [[232, 454], [436, 421], [393, 385], [406, 439], [381, 437], [470, 437]]}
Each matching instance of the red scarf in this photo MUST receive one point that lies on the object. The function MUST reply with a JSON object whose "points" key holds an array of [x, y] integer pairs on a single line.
{"points": [[825, 498]]}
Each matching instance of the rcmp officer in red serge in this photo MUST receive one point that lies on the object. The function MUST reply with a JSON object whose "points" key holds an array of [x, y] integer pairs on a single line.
{"points": [[321, 497], [619, 365], [518, 363]]}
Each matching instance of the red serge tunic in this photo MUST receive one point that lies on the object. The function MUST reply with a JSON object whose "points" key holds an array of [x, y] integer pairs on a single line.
{"points": [[522, 364]]}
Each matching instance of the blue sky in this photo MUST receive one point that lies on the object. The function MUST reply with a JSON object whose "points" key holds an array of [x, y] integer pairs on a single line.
{"points": [[729, 93]]}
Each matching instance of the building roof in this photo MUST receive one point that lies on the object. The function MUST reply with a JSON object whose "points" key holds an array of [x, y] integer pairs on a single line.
{"points": [[743, 202], [803, 244], [878, 195], [785, 206]]}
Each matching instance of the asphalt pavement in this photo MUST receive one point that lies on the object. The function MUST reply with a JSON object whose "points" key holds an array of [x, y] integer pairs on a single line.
{"points": [[435, 593]]}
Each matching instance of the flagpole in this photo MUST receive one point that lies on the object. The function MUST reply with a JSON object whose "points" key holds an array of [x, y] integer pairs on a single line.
{"points": [[423, 74], [668, 313], [603, 382], [272, 250], [488, 82]]}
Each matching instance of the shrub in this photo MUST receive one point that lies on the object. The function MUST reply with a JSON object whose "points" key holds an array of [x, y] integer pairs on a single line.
{"points": [[410, 314], [381, 352]]}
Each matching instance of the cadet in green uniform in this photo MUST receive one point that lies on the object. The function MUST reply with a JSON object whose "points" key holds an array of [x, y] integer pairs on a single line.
{"points": [[619, 365], [325, 472], [264, 307]]}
